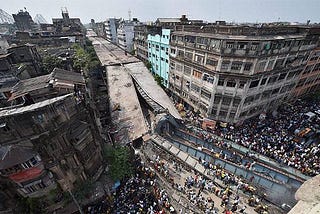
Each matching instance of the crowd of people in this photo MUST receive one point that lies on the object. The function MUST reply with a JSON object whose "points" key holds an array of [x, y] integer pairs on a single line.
{"points": [[141, 194], [197, 187], [277, 135]]}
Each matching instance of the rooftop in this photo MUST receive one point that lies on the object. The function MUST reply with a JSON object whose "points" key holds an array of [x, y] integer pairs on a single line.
{"points": [[239, 37], [168, 20], [110, 54], [12, 155], [32, 107], [146, 81], [125, 107], [58, 78], [251, 31]]}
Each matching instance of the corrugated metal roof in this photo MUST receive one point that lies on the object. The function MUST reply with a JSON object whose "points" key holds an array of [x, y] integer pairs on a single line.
{"points": [[21, 110]]}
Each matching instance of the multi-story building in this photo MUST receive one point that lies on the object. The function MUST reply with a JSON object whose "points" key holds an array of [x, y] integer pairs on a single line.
{"points": [[27, 60], [47, 137], [24, 21], [67, 25], [158, 52], [100, 29], [141, 33], [3, 45], [111, 26], [310, 79], [23, 167], [232, 73], [125, 34], [47, 143]]}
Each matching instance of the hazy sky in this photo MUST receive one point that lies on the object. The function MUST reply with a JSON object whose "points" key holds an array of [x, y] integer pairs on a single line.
{"points": [[149, 10]]}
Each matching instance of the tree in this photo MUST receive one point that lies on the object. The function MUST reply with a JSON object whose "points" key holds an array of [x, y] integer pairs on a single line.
{"points": [[30, 205], [85, 58], [119, 159], [82, 190], [148, 65], [81, 58], [51, 62], [158, 79]]}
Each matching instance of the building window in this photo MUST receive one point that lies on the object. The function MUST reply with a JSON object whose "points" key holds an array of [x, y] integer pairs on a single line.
{"points": [[217, 99], [226, 100], [199, 59], [242, 84], [231, 83], [254, 46], [270, 64], [236, 102], [208, 78], [33, 161], [179, 67], [197, 74], [172, 65], [242, 45], [225, 65], [247, 66], [229, 45], [180, 53], [187, 70], [282, 76], [202, 41], [205, 94], [223, 113], [272, 79], [279, 63], [195, 88], [189, 55], [254, 83], [190, 39], [26, 165], [212, 62], [261, 65], [263, 81], [221, 82], [236, 66]]}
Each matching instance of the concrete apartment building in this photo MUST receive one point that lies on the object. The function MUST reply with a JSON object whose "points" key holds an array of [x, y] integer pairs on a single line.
{"points": [[158, 54], [24, 21], [231, 73], [48, 139], [111, 26], [125, 34], [141, 33], [310, 78], [152, 41], [67, 25]]}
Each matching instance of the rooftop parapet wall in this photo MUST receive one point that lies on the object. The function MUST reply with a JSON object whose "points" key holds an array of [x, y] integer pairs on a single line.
{"points": [[245, 30]]}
